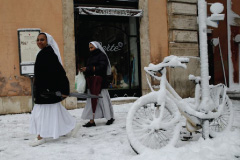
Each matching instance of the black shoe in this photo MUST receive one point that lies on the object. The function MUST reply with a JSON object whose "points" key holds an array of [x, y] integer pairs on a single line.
{"points": [[89, 124], [110, 121]]}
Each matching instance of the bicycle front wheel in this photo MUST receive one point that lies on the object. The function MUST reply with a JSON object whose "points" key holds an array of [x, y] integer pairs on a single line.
{"points": [[142, 125]]}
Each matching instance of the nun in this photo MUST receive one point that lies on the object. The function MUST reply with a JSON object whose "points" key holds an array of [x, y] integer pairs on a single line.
{"points": [[96, 71], [49, 118]]}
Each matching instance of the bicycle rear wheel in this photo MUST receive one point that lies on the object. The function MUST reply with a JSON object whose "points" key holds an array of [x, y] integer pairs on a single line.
{"points": [[143, 129], [224, 121]]}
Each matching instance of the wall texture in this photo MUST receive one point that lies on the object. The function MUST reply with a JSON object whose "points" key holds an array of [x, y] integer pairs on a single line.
{"points": [[168, 27], [172, 29], [183, 41], [15, 14], [144, 43], [69, 49], [158, 30]]}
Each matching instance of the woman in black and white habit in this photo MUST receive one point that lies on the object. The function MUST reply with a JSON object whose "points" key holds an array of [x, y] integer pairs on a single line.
{"points": [[49, 118], [97, 68]]}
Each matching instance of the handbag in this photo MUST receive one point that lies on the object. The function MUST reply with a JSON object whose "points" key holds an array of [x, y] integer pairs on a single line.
{"points": [[80, 82]]}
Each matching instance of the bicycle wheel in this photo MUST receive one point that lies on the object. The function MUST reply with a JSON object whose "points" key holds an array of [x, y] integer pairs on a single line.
{"points": [[144, 129], [224, 121]]}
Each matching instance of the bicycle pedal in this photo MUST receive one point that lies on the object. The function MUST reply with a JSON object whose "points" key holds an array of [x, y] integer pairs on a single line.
{"points": [[186, 138], [197, 132]]}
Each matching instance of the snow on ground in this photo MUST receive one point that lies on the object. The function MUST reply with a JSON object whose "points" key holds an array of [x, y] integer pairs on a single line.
{"points": [[109, 142]]}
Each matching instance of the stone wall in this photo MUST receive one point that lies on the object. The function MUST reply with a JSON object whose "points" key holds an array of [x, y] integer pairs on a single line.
{"points": [[69, 49], [144, 43], [183, 41]]}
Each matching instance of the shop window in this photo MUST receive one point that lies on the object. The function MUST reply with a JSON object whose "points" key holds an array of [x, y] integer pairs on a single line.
{"points": [[119, 38]]}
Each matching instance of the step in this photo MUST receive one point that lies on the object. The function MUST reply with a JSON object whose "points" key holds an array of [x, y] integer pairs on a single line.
{"points": [[235, 95], [115, 101]]}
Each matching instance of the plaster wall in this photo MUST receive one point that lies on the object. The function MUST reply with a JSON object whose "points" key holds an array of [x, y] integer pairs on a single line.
{"points": [[158, 30], [15, 14]]}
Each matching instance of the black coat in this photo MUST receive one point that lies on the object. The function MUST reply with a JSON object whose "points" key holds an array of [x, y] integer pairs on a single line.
{"points": [[49, 77], [98, 59]]}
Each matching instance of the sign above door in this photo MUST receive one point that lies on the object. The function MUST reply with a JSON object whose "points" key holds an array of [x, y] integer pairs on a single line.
{"points": [[100, 11]]}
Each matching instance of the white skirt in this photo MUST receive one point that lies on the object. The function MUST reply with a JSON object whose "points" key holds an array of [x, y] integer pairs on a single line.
{"points": [[104, 107], [51, 120]]}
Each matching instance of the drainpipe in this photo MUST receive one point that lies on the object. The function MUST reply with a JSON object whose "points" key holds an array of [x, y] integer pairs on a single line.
{"points": [[230, 64]]}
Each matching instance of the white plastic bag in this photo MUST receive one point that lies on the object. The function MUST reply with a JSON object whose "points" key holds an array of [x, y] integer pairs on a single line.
{"points": [[80, 82]]}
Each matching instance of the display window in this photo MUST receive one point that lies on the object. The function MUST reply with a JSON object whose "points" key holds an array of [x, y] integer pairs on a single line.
{"points": [[119, 38]]}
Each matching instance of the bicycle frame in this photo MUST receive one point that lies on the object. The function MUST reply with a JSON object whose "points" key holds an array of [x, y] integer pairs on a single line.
{"points": [[191, 112], [154, 120]]}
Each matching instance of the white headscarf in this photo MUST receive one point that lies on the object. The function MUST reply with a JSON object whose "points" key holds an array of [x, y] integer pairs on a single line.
{"points": [[99, 46], [51, 42]]}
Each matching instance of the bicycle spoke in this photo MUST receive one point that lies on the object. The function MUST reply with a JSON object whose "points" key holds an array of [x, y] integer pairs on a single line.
{"points": [[142, 121], [224, 121]]}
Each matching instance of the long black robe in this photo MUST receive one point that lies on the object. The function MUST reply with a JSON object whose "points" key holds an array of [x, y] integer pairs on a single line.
{"points": [[49, 77], [96, 78], [98, 60]]}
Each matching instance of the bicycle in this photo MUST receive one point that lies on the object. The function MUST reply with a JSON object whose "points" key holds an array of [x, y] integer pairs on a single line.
{"points": [[154, 119]]}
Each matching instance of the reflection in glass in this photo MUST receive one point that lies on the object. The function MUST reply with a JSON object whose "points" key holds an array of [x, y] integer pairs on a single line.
{"points": [[118, 36]]}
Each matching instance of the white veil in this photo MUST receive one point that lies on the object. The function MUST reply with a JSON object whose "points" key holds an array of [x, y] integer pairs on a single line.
{"points": [[51, 42], [99, 46]]}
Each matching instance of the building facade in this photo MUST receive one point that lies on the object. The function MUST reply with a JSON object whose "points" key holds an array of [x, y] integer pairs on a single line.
{"points": [[134, 33]]}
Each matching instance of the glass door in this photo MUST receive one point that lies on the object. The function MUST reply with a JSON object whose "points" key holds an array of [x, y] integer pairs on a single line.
{"points": [[119, 38]]}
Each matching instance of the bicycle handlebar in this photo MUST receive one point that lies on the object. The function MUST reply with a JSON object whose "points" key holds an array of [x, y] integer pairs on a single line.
{"points": [[170, 61], [175, 58]]}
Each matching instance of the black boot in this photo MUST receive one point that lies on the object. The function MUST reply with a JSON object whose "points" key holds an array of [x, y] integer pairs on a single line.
{"points": [[89, 124], [109, 122]]}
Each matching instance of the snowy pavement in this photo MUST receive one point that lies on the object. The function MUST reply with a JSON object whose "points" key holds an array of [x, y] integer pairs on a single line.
{"points": [[109, 142]]}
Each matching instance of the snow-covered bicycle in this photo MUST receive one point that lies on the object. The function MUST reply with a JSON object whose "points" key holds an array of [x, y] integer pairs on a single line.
{"points": [[154, 120]]}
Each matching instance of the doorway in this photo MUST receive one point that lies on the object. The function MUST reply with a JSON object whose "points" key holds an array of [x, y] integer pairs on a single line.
{"points": [[119, 38]]}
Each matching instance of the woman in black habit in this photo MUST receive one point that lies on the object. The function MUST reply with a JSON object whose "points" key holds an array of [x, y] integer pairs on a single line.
{"points": [[96, 71], [49, 118]]}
